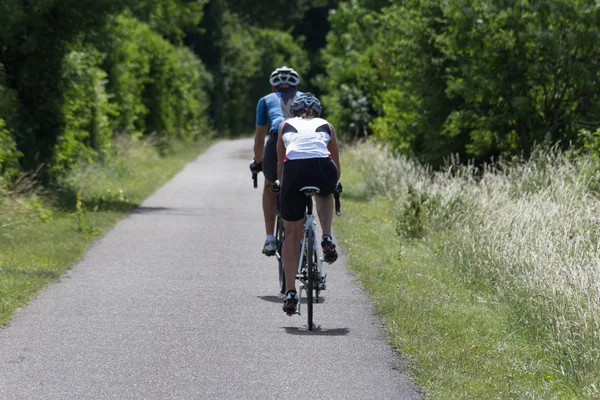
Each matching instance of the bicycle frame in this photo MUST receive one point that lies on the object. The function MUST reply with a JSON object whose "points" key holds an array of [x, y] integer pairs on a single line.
{"points": [[310, 221], [309, 228]]}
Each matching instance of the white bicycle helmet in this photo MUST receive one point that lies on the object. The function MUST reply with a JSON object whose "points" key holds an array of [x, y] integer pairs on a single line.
{"points": [[304, 102], [284, 76]]}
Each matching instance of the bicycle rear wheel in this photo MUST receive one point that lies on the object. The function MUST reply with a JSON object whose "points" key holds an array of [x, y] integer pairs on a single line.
{"points": [[310, 272], [280, 236]]}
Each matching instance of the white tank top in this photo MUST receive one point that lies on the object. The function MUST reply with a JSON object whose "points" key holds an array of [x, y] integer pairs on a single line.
{"points": [[306, 138]]}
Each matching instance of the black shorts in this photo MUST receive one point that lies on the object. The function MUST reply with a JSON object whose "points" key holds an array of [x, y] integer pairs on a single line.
{"points": [[269, 162], [319, 172]]}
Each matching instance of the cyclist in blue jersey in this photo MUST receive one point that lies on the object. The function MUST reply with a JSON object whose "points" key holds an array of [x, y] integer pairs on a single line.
{"points": [[271, 111]]}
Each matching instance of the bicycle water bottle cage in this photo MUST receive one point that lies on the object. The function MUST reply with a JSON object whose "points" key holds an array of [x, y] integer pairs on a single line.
{"points": [[310, 190]]}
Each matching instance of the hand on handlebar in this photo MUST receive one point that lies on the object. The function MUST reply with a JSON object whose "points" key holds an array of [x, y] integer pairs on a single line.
{"points": [[276, 186], [255, 167]]}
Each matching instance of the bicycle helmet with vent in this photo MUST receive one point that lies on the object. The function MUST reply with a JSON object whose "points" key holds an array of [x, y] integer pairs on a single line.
{"points": [[304, 102], [284, 76]]}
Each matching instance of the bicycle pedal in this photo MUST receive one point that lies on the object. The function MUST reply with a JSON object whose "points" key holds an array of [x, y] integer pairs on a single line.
{"points": [[322, 283]]}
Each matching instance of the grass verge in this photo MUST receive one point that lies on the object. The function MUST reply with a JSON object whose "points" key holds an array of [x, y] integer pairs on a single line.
{"points": [[43, 233], [460, 340]]}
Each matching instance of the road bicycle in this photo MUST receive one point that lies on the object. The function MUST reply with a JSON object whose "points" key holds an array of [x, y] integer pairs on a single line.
{"points": [[310, 267]]}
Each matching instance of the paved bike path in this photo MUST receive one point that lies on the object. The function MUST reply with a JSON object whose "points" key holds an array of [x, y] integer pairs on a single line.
{"points": [[177, 302]]}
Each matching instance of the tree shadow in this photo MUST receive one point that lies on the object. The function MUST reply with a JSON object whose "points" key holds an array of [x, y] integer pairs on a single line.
{"points": [[317, 331], [149, 210], [67, 199], [110, 205]]}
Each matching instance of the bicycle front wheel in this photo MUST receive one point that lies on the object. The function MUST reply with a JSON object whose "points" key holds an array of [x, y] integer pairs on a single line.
{"points": [[310, 268]]}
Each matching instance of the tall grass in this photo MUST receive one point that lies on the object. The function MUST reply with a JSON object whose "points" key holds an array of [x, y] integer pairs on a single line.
{"points": [[526, 231]]}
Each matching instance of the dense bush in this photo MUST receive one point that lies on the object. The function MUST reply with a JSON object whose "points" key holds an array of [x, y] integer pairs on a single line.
{"points": [[477, 78], [190, 86], [352, 80], [156, 86], [241, 58], [86, 111], [9, 156], [77, 72], [174, 93], [128, 65], [36, 37]]}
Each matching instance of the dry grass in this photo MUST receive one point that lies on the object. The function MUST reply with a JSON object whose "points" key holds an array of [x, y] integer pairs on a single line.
{"points": [[529, 231]]}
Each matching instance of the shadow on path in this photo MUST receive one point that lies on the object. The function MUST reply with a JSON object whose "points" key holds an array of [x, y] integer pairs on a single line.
{"points": [[279, 299], [179, 212], [317, 331]]}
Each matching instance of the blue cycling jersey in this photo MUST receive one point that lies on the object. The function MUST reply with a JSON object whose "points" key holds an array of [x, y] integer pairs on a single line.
{"points": [[274, 108]]}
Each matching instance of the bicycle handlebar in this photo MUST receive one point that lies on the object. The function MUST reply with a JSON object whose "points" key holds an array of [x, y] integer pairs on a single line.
{"points": [[336, 197], [254, 178]]}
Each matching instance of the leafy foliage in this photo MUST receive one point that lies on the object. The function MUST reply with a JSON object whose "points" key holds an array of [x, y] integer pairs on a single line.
{"points": [[352, 73], [128, 66], [241, 58], [36, 37], [86, 111], [172, 19], [156, 86], [79, 71], [9, 156], [478, 78]]}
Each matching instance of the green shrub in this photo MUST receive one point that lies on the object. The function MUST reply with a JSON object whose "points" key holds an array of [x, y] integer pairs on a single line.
{"points": [[157, 87], [9, 155], [86, 111], [478, 78], [175, 93], [414, 213], [352, 80], [189, 84], [128, 65]]}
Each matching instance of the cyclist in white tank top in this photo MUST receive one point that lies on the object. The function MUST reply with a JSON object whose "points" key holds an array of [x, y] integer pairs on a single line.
{"points": [[306, 138], [308, 155]]}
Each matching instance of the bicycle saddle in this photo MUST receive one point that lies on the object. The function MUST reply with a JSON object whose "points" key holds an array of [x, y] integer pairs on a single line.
{"points": [[308, 190]]}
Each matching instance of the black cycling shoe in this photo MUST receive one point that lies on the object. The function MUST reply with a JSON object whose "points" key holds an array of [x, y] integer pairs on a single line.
{"points": [[270, 248], [290, 303], [329, 252]]}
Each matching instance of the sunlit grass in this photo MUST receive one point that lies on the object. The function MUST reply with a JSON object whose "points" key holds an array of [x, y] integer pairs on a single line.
{"points": [[516, 249]]}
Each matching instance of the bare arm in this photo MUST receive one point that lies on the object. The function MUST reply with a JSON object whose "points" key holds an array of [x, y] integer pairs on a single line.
{"points": [[333, 148], [280, 152], [259, 142]]}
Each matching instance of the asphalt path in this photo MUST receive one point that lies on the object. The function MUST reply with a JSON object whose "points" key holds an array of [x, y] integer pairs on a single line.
{"points": [[177, 302]]}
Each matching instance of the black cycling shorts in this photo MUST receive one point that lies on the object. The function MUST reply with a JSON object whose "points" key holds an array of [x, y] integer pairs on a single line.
{"points": [[319, 172], [269, 162]]}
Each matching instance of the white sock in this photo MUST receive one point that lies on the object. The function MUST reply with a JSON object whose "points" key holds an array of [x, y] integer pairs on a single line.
{"points": [[270, 238]]}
